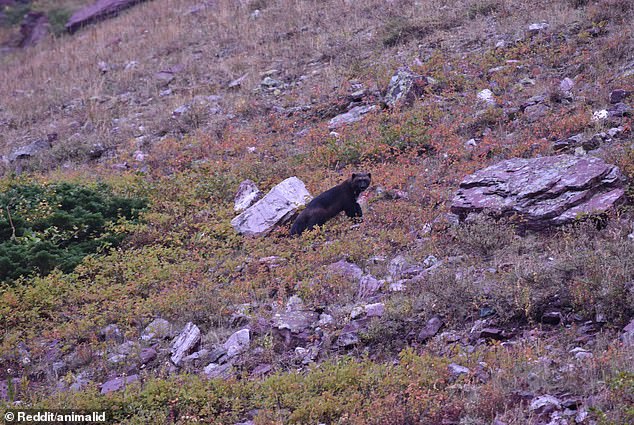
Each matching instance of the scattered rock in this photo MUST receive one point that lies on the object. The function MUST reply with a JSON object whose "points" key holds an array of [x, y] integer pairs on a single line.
{"points": [[534, 29], [237, 343], [195, 360], [617, 96], [98, 11], [247, 194], [541, 191], [566, 85], [237, 83], [292, 328], [535, 112], [277, 207], [552, 318], [216, 371], [118, 384], [431, 329], [405, 86], [33, 148], [493, 333], [33, 29], [374, 310], [345, 269], [147, 355], [185, 342], [620, 110], [545, 404], [628, 334], [111, 333], [487, 97], [353, 115], [157, 330], [368, 286], [456, 370]]}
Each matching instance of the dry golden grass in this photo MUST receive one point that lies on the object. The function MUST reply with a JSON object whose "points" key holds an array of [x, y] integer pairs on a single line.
{"points": [[58, 86]]}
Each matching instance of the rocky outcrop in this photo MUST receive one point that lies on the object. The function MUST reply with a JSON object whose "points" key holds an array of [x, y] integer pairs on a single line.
{"points": [[541, 192], [98, 11], [405, 86], [34, 28], [277, 207]]}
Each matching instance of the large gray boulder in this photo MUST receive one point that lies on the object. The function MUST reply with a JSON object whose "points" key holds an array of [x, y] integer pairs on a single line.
{"points": [[546, 191], [277, 207]]}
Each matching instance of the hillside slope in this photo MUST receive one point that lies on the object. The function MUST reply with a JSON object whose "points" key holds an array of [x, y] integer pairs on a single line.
{"points": [[411, 316]]}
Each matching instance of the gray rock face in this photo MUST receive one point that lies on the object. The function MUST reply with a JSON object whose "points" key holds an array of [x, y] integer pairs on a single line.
{"points": [[237, 343], [247, 194], [542, 192], [353, 115], [185, 342], [30, 149], [405, 86], [117, 384], [98, 11], [277, 207]]}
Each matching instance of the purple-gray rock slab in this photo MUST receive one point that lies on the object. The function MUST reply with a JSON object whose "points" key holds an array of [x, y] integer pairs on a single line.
{"points": [[98, 11], [353, 115], [119, 383], [541, 192], [431, 329]]}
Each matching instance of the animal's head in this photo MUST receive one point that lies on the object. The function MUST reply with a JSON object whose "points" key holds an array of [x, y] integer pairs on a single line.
{"points": [[360, 181]]}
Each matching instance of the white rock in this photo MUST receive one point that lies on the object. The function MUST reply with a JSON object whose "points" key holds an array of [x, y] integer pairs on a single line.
{"points": [[277, 207], [486, 96], [185, 342], [247, 194]]}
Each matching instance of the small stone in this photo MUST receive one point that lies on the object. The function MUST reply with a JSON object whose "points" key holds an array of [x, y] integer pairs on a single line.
{"points": [[456, 370], [237, 343], [147, 355], [431, 329], [325, 319], [357, 312], [566, 85], [247, 194], [375, 310], [617, 96], [545, 403], [118, 384], [600, 115], [216, 371], [487, 97], [536, 28]]}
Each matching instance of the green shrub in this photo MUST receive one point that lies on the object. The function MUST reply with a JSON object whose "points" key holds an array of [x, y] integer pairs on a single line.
{"points": [[57, 225]]}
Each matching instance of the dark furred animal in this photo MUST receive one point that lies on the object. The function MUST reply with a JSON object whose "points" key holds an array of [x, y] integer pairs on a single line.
{"points": [[342, 197]]}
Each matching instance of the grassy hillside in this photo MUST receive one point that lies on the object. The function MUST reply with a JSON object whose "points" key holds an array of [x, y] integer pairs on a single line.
{"points": [[143, 104]]}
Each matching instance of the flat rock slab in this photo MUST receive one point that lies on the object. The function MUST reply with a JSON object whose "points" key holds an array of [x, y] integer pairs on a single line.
{"points": [[542, 192], [277, 207], [98, 11], [118, 384]]}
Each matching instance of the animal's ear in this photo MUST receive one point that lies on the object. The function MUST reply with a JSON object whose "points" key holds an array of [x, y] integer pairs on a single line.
{"points": [[354, 176]]}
